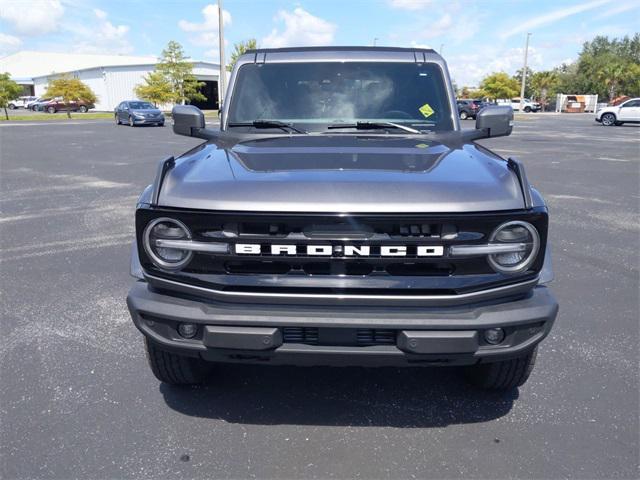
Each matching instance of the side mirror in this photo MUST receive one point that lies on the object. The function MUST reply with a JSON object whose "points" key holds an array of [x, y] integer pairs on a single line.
{"points": [[496, 121], [187, 120]]}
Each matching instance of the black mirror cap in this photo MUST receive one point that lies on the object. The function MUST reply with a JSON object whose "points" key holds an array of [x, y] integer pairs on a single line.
{"points": [[186, 119], [497, 121]]}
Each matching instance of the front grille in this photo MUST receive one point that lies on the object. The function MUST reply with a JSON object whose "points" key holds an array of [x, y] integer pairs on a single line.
{"points": [[338, 273], [360, 337]]}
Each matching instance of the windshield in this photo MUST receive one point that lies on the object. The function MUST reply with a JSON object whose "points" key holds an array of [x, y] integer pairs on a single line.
{"points": [[319, 94], [140, 105]]}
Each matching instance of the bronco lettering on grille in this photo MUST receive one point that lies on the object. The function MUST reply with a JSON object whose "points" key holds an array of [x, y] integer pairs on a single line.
{"points": [[333, 250]]}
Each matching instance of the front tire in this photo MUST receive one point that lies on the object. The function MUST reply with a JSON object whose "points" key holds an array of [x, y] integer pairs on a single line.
{"points": [[463, 115], [504, 375], [175, 369], [83, 109], [51, 109], [608, 119], [117, 120], [12, 106], [131, 124], [527, 109]]}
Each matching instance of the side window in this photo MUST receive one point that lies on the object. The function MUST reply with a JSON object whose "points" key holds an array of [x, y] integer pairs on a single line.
{"points": [[632, 103]]}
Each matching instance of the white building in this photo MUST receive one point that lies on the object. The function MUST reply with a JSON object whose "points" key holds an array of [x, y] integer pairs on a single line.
{"points": [[113, 78]]}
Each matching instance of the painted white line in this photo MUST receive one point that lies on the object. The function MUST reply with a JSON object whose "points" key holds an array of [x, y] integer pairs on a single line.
{"points": [[609, 159]]}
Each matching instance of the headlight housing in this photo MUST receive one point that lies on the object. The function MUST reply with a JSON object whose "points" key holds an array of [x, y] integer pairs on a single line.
{"points": [[518, 232], [166, 229]]}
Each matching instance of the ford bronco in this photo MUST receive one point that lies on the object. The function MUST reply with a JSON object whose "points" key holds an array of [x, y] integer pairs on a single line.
{"points": [[341, 216]]}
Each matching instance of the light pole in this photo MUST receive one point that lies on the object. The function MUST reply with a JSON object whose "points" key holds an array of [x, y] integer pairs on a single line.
{"points": [[441, 48], [375, 40], [222, 80], [524, 72]]}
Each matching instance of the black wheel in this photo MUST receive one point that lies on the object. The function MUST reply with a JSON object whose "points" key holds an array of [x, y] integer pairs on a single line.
{"points": [[131, 124], [527, 109], [51, 109], [617, 124], [608, 119], [463, 115], [175, 369], [117, 120], [504, 375], [12, 106], [161, 124], [83, 109]]}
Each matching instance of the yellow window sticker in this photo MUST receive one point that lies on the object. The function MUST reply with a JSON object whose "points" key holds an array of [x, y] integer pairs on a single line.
{"points": [[426, 110], [422, 145]]}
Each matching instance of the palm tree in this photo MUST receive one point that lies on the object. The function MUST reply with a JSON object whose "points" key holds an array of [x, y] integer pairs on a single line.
{"points": [[611, 75], [542, 83]]}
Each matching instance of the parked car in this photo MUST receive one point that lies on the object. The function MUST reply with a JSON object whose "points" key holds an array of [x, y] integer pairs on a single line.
{"points": [[626, 112], [137, 112], [527, 106], [57, 105], [245, 252], [468, 108], [20, 102], [38, 105]]}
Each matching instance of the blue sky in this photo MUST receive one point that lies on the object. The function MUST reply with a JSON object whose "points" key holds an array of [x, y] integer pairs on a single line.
{"points": [[476, 37]]}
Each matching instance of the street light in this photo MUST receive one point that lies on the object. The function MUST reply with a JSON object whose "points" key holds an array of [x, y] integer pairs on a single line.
{"points": [[375, 40], [223, 71], [524, 72]]}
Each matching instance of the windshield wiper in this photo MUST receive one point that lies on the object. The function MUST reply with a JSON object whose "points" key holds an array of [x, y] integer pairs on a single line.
{"points": [[373, 125], [268, 124]]}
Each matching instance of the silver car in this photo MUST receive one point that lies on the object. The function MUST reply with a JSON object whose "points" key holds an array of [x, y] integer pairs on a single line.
{"points": [[136, 112]]}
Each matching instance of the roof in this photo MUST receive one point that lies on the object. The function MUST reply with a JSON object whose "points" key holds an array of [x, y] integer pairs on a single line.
{"points": [[338, 49], [28, 64], [355, 53]]}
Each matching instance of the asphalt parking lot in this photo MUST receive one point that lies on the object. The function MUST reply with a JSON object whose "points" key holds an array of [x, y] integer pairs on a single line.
{"points": [[77, 399]]}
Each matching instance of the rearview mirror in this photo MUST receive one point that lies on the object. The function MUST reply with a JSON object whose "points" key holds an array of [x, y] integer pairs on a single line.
{"points": [[497, 121], [187, 120]]}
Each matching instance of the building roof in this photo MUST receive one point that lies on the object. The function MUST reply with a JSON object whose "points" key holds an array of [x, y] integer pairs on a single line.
{"points": [[30, 64]]}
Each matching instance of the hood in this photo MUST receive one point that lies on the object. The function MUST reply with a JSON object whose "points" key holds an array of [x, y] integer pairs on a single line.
{"points": [[341, 173]]}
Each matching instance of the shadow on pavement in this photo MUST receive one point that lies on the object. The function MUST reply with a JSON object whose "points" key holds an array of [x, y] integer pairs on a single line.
{"points": [[409, 397]]}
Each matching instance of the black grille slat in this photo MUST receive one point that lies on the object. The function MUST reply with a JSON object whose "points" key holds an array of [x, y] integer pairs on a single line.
{"points": [[363, 337]]}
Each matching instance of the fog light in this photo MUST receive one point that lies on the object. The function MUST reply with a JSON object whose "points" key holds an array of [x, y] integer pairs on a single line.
{"points": [[494, 336], [187, 330]]}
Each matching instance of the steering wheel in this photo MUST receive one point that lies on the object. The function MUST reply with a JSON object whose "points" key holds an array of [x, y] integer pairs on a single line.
{"points": [[397, 114]]}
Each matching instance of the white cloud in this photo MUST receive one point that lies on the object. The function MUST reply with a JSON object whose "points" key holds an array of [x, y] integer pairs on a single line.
{"points": [[9, 42], [101, 37], [300, 29], [553, 17], [469, 69], [624, 7], [410, 4], [32, 17], [205, 33]]}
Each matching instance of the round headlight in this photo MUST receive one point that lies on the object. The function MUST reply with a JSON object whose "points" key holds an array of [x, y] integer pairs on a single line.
{"points": [[517, 232], [164, 257]]}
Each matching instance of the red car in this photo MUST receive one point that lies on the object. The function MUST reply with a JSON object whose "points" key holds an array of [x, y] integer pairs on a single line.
{"points": [[57, 105]]}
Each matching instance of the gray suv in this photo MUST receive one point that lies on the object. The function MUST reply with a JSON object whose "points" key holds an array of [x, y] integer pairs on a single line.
{"points": [[340, 216]]}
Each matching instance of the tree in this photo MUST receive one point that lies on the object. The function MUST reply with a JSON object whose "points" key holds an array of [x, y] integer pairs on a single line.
{"points": [[543, 85], [239, 49], [70, 90], [9, 90], [176, 68], [499, 85], [156, 89], [528, 91]]}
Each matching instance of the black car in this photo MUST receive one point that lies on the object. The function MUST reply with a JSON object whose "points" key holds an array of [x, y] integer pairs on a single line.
{"points": [[340, 215], [468, 108], [136, 112]]}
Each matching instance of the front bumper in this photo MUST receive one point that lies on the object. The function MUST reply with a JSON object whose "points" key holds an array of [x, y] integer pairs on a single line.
{"points": [[238, 332], [148, 121]]}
